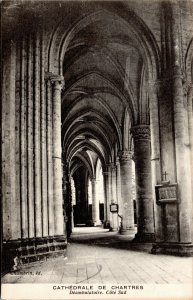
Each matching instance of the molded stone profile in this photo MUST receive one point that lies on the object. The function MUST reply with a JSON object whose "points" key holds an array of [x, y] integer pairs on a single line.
{"points": [[25, 251], [57, 81], [172, 248], [141, 132], [127, 222], [142, 153], [125, 155], [95, 205]]}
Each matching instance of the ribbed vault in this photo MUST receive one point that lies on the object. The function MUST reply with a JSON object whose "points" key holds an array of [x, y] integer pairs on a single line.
{"points": [[107, 58], [106, 67]]}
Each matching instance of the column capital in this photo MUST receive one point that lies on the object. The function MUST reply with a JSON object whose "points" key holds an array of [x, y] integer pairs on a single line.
{"points": [[108, 167], [125, 155], [155, 86], [113, 166], [187, 88], [56, 80], [141, 132], [178, 72], [117, 160]]}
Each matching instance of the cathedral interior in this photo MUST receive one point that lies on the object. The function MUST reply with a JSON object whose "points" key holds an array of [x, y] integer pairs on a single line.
{"points": [[96, 124]]}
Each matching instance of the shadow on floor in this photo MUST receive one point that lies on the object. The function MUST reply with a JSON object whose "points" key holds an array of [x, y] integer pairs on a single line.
{"points": [[111, 240]]}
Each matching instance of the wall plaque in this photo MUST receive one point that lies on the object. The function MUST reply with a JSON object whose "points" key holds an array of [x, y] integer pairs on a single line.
{"points": [[114, 208], [166, 193]]}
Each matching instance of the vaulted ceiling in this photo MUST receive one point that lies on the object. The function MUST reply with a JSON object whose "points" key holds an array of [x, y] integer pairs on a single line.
{"points": [[105, 82], [103, 49]]}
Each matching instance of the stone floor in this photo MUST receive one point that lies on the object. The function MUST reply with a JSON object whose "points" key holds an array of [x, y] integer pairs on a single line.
{"points": [[97, 256]]}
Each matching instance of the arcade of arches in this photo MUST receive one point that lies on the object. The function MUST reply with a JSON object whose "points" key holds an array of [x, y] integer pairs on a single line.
{"points": [[96, 113]]}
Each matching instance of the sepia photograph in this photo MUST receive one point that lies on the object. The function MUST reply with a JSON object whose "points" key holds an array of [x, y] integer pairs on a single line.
{"points": [[96, 149]]}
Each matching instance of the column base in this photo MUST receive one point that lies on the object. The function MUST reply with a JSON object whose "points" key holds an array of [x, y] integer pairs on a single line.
{"points": [[96, 223], [127, 231], [113, 229], [179, 249], [144, 237], [23, 251], [106, 224]]}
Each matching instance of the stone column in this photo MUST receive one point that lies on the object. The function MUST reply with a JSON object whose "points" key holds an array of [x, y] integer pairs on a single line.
{"points": [[190, 107], [118, 189], [43, 142], [126, 191], [11, 225], [109, 185], [70, 186], [37, 145], [183, 170], [114, 216], [23, 143], [190, 128], [107, 199], [154, 88], [114, 183], [30, 136], [118, 184], [145, 216], [182, 149], [95, 205], [57, 82], [51, 225]]}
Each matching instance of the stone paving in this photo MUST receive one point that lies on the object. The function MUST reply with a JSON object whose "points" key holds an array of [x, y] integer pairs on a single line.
{"points": [[98, 256]]}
